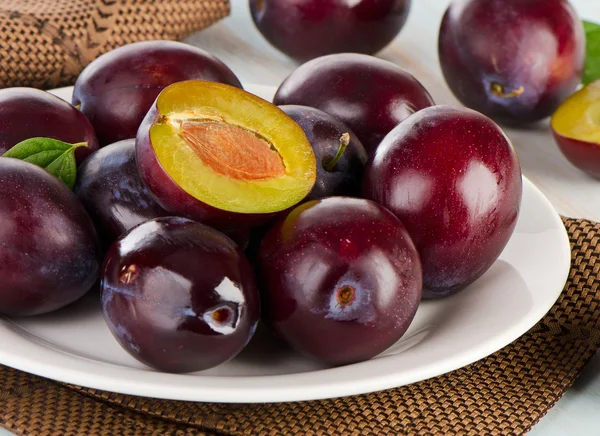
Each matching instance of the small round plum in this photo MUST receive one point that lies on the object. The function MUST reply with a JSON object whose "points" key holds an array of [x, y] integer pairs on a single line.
{"points": [[48, 247], [340, 279], [454, 180], [116, 90], [179, 296], [306, 29]]}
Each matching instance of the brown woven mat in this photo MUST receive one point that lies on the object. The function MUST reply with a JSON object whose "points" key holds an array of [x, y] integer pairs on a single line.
{"points": [[46, 43], [504, 394]]}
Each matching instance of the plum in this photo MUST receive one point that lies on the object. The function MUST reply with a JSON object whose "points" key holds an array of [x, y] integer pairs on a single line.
{"points": [[340, 279], [576, 129], [340, 155], [179, 296], [454, 180], [370, 95], [117, 89], [306, 29], [222, 156], [110, 188], [28, 113], [48, 247], [512, 60]]}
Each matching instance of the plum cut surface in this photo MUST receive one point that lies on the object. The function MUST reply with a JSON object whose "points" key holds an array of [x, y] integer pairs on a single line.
{"points": [[225, 148]]}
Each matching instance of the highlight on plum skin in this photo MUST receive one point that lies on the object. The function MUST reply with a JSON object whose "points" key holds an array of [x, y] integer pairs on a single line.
{"points": [[340, 279], [179, 296]]}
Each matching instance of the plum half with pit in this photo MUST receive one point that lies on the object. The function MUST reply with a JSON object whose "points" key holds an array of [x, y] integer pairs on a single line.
{"points": [[306, 29], [576, 129], [111, 189], [340, 155], [48, 247], [454, 180], [29, 113], [370, 95], [179, 296], [340, 279], [116, 90], [513, 60], [222, 156]]}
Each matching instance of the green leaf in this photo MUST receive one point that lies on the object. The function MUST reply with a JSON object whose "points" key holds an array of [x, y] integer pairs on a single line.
{"points": [[592, 58], [56, 157]]}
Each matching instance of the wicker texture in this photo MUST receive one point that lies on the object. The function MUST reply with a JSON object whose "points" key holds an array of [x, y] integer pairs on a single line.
{"points": [[46, 43], [504, 394]]}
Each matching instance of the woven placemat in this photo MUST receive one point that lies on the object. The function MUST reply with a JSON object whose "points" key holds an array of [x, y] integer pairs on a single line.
{"points": [[503, 394], [46, 43]]}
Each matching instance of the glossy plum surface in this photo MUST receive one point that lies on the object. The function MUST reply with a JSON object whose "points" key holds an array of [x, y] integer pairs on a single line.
{"points": [[179, 296], [110, 188], [368, 94], [453, 178], [325, 134], [28, 113], [117, 89], [512, 60], [306, 29], [341, 279], [48, 247]]}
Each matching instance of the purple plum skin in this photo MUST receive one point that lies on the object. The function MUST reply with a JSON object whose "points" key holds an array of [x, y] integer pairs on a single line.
{"points": [[454, 180], [112, 191], [116, 90], [369, 95], [29, 113], [535, 48], [306, 29], [179, 296], [49, 252], [320, 248], [324, 133]]}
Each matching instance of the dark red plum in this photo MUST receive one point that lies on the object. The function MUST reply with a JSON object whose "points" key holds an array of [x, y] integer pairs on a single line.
{"points": [[306, 29], [340, 155], [179, 296], [453, 178], [116, 90], [370, 95], [512, 60], [340, 279], [112, 191], [29, 113], [48, 247]]}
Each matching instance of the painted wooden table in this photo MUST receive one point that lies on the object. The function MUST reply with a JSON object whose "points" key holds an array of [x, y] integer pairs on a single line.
{"points": [[236, 42]]}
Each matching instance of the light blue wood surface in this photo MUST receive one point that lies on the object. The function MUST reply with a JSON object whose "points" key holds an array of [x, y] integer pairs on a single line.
{"points": [[239, 45]]}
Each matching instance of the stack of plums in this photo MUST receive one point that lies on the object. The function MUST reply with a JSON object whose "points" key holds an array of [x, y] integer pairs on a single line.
{"points": [[329, 214]]}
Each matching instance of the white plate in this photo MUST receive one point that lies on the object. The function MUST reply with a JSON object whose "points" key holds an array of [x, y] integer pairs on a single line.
{"points": [[74, 345]]}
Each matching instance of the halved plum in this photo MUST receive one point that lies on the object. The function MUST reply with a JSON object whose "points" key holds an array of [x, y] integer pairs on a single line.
{"points": [[222, 156]]}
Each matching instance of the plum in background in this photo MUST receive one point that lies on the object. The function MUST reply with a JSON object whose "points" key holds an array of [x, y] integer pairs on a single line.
{"points": [[454, 180], [513, 60], [179, 296], [116, 90], [340, 155], [110, 188], [370, 95], [48, 247], [306, 29], [28, 113], [340, 279]]}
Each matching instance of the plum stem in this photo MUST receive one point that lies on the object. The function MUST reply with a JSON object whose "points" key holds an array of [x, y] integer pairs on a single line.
{"points": [[499, 91], [344, 141], [80, 144]]}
